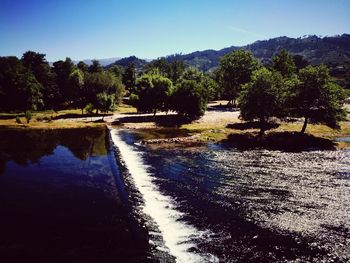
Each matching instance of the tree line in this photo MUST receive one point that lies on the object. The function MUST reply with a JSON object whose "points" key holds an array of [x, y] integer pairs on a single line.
{"points": [[30, 83], [286, 88]]}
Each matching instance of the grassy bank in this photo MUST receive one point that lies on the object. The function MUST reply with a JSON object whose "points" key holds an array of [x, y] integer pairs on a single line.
{"points": [[63, 119]]}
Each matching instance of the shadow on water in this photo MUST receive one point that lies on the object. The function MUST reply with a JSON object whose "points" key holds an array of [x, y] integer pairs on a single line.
{"points": [[284, 141]]}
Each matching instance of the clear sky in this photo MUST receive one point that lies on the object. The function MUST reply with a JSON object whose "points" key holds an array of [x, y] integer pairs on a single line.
{"points": [[83, 29]]}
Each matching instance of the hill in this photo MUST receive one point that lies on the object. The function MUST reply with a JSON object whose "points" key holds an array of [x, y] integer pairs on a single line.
{"points": [[332, 51]]}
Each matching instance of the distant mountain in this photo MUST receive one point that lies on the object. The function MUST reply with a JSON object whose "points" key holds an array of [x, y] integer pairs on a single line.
{"points": [[104, 62], [124, 62], [328, 50]]}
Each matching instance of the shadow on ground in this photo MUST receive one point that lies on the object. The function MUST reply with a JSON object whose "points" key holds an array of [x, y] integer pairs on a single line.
{"points": [[251, 125], [75, 115], [284, 141], [161, 120]]}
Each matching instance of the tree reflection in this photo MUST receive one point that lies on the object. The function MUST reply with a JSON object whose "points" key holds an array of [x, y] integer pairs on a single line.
{"points": [[29, 146]]}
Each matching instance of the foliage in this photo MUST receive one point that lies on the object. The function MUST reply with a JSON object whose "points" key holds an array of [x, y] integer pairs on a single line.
{"points": [[235, 70], [191, 94], [89, 108], [18, 120], [262, 98], [19, 88], [283, 62], [105, 102], [129, 78], [153, 92], [28, 116], [317, 98]]}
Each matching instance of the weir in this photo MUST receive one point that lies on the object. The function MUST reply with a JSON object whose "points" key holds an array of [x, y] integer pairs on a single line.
{"points": [[162, 209]]}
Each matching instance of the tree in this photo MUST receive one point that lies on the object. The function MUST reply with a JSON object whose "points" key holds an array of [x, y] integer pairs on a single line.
{"points": [[19, 88], [83, 66], [189, 99], [153, 93], [129, 78], [105, 102], [283, 62], [317, 99], [262, 98], [62, 70], [102, 82], [300, 62], [95, 66], [236, 69], [77, 84], [191, 93]]}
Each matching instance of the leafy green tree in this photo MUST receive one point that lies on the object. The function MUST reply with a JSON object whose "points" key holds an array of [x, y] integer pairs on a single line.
{"points": [[77, 85], [129, 78], [236, 69], [161, 64], [153, 93], [177, 68], [300, 62], [28, 116], [191, 93], [117, 70], [83, 66], [102, 82], [283, 62], [19, 88], [262, 98], [189, 99], [105, 102], [62, 70], [317, 99], [95, 66], [37, 64]]}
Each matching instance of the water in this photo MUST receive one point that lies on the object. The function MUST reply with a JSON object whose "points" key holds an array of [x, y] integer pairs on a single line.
{"points": [[176, 234], [252, 206], [61, 201], [87, 196]]}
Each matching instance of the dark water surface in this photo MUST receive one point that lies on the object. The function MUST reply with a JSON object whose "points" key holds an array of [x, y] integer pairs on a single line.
{"points": [[256, 205], [86, 196], [60, 199]]}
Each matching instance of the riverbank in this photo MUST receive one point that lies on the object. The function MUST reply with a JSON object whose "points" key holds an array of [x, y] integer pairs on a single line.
{"points": [[219, 124]]}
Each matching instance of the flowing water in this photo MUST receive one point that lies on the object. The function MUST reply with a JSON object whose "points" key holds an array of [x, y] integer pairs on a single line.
{"points": [[97, 196], [215, 203]]}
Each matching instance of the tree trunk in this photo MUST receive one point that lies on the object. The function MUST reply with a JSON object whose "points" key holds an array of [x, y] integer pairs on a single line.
{"points": [[304, 126], [82, 111], [262, 127], [154, 113]]}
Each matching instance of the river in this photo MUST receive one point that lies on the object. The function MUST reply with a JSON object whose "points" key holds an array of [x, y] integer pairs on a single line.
{"points": [[100, 196]]}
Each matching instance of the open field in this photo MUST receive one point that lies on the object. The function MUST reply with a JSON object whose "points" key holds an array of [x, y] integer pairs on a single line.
{"points": [[216, 125]]}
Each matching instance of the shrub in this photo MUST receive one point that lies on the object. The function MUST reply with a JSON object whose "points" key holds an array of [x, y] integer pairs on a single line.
{"points": [[28, 116], [18, 119]]}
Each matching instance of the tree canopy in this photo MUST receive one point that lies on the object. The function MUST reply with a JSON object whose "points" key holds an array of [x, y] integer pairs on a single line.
{"points": [[262, 98], [235, 70]]}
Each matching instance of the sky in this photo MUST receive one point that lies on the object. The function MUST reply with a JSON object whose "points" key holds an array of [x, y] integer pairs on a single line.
{"points": [[86, 29]]}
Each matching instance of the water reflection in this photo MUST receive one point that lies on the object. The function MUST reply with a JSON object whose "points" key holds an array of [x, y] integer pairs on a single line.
{"points": [[60, 199], [28, 146]]}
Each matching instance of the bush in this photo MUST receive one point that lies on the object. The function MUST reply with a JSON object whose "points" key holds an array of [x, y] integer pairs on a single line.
{"points": [[28, 116], [18, 119], [89, 108]]}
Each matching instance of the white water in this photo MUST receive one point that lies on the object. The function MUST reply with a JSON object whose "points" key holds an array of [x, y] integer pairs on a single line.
{"points": [[161, 208]]}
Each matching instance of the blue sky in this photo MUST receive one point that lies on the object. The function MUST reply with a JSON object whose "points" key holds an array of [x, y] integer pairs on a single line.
{"points": [[83, 29]]}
